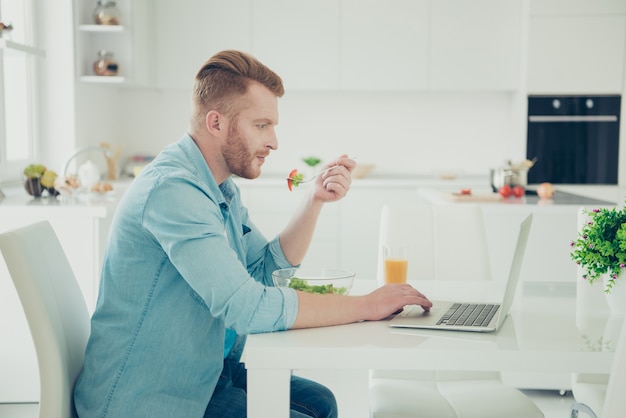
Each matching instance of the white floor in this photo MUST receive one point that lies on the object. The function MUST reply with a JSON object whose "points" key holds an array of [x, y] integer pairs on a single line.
{"points": [[551, 403]]}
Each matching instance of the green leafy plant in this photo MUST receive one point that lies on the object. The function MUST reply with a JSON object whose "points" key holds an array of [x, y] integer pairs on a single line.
{"points": [[601, 245], [34, 171], [312, 161], [300, 284]]}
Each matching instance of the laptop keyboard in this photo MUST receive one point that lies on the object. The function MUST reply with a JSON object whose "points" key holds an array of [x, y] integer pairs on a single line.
{"points": [[469, 314]]}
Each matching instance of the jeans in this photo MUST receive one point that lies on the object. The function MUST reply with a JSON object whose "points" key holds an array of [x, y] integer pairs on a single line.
{"points": [[307, 398]]}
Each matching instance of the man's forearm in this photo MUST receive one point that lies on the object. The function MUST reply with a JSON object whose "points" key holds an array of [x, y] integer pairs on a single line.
{"points": [[297, 235]]}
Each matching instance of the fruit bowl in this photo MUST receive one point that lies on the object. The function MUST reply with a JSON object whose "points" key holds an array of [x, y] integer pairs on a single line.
{"points": [[321, 281]]}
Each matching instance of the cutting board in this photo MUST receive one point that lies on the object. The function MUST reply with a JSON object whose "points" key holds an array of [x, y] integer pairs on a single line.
{"points": [[474, 197]]}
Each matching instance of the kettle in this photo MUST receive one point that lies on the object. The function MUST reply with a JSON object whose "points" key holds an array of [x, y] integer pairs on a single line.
{"points": [[511, 174], [88, 174], [512, 177]]}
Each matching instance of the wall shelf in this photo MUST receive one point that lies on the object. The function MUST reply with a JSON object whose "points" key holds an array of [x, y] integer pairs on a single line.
{"points": [[102, 79], [6, 45], [101, 28]]}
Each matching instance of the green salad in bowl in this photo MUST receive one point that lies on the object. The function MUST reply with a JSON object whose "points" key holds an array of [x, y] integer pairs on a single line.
{"points": [[321, 281]]}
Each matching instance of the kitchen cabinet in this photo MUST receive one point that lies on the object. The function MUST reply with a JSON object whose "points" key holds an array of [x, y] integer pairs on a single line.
{"points": [[82, 229], [578, 49], [128, 41], [384, 45], [272, 206], [347, 231], [554, 226], [476, 45], [350, 45], [299, 40], [188, 33]]}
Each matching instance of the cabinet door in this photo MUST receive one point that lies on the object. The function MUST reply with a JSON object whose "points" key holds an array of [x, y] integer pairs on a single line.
{"points": [[186, 35], [384, 45], [476, 45], [576, 54], [299, 40], [271, 207]]}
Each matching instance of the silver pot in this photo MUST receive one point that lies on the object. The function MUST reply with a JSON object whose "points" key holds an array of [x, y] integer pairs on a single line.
{"points": [[510, 176]]}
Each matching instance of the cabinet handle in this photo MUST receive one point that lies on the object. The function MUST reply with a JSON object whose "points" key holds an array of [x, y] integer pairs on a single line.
{"points": [[573, 118]]}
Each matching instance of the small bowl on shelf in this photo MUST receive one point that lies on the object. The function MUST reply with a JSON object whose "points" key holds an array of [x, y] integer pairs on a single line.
{"points": [[315, 280]]}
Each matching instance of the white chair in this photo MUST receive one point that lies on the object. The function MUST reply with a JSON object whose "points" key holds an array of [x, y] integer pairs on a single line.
{"points": [[448, 242], [613, 404], [55, 310]]}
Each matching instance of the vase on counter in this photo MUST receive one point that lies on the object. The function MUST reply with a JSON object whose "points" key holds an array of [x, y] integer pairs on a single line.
{"points": [[616, 298]]}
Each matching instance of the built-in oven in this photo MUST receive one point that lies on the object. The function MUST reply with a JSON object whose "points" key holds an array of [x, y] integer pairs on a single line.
{"points": [[574, 138]]}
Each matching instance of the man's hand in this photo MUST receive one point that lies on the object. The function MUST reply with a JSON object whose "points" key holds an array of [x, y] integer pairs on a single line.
{"points": [[334, 184], [393, 297], [323, 310]]}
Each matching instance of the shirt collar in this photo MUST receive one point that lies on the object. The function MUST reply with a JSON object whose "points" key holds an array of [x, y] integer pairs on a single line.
{"points": [[224, 191]]}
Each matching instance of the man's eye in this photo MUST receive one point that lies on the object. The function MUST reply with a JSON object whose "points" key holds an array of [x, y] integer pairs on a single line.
{"points": [[262, 125]]}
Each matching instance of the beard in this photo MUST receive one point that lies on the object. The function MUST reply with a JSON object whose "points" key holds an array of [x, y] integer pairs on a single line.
{"points": [[238, 157]]}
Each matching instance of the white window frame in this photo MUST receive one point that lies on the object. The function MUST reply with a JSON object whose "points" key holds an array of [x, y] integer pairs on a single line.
{"points": [[10, 169]]}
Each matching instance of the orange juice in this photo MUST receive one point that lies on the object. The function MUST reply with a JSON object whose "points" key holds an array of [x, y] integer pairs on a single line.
{"points": [[395, 270]]}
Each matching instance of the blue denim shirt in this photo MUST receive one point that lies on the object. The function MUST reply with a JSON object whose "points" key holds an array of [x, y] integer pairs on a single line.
{"points": [[183, 263]]}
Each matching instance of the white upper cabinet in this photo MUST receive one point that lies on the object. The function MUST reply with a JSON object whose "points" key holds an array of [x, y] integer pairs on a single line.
{"points": [[188, 33], [476, 45], [299, 40], [384, 45], [576, 47], [352, 45]]}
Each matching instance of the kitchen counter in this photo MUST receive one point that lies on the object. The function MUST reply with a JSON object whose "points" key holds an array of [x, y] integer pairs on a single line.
{"points": [[385, 180], [567, 194], [80, 204], [562, 200]]}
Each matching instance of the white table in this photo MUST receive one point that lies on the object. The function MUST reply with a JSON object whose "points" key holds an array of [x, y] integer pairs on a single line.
{"points": [[541, 335]]}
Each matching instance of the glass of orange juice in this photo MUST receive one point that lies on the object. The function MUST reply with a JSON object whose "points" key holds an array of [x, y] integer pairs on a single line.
{"points": [[396, 263]]}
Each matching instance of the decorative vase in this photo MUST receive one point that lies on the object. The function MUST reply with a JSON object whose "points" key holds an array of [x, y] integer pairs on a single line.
{"points": [[33, 186], [616, 298]]}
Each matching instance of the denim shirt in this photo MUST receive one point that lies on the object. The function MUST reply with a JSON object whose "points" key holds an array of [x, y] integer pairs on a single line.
{"points": [[183, 263]]}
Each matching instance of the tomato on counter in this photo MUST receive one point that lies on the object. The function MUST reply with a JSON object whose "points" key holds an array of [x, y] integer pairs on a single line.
{"points": [[519, 191], [505, 191]]}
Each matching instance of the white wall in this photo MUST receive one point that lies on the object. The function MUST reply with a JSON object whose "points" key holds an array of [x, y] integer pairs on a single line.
{"points": [[418, 133]]}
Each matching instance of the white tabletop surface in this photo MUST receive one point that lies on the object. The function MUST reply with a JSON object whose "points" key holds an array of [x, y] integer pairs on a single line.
{"points": [[540, 335]]}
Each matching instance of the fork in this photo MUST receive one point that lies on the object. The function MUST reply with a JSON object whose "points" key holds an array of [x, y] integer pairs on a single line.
{"points": [[316, 175]]}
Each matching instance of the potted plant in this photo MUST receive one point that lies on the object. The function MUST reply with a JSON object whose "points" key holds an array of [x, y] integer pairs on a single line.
{"points": [[37, 179], [600, 248]]}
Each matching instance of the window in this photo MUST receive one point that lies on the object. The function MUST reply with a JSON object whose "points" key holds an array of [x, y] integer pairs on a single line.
{"points": [[17, 88]]}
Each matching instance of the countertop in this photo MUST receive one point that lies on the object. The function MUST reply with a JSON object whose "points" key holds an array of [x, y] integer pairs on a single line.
{"points": [[425, 184], [486, 196], [98, 205]]}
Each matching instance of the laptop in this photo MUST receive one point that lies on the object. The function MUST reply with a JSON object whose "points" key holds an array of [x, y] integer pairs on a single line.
{"points": [[469, 316]]}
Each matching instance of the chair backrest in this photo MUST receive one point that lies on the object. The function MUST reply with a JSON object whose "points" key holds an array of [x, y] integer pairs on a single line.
{"points": [[446, 242], [55, 310]]}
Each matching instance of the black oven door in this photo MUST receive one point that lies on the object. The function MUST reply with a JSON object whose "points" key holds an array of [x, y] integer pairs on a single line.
{"points": [[575, 139]]}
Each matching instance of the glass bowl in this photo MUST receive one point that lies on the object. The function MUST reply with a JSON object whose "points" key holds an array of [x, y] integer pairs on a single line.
{"points": [[315, 280]]}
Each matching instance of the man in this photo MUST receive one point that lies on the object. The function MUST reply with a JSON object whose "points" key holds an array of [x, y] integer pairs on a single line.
{"points": [[187, 274]]}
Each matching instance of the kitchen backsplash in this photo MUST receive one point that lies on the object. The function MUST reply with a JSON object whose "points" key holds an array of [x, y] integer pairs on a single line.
{"points": [[418, 133]]}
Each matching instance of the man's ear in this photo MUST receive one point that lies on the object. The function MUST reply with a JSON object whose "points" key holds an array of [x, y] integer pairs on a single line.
{"points": [[215, 123]]}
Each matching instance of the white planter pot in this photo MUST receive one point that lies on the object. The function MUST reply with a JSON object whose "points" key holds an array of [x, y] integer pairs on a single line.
{"points": [[616, 299]]}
